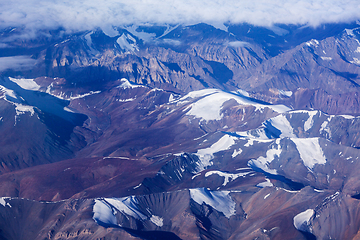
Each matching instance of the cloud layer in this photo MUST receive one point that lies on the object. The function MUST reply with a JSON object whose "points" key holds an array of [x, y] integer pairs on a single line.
{"points": [[90, 14], [16, 63]]}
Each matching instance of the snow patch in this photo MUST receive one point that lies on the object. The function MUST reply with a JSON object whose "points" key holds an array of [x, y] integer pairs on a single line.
{"points": [[105, 209], [303, 218], [355, 61], [245, 168], [312, 42], [264, 162], [282, 124], [89, 43], [62, 95], [219, 200], [209, 107], [22, 109], [83, 95], [242, 92], [127, 43], [8, 92], [347, 116], [228, 177], [19, 108], [109, 31], [158, 221], [68, 109], [325, 127], [310, 121], [127, 205], [207, 154], [2, 201], [258, 134], [116, 157], [171, 98], [267, 183], [326, 58], [133, 29], [236, 152], [169, 28], [28, 84], [310, 151], [178, 154], [285, 93], [126, 100], [331, 197], [197, 94], [196, 175], [126, 84], [250, 142], [267, 195], [103, 213], [289, 191], [350, 32]]}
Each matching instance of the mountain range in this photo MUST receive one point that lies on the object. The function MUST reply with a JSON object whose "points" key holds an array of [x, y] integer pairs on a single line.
{"points": [[181, 132]]}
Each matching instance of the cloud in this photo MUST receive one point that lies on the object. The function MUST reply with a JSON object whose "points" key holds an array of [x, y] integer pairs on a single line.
{"points": [[18, 62], [237, 44], [90, 14], [171, 42]]}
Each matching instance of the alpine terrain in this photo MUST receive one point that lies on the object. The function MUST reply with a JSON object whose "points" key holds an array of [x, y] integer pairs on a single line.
{"points": [[174, 131]]}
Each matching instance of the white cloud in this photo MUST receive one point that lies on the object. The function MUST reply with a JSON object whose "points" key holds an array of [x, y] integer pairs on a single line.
{"points": [[237, 44], [18, 62], [90, 14]]}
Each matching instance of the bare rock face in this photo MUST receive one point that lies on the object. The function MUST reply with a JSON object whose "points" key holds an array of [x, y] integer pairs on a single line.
{"points": [[309, 64], [192, 133]]}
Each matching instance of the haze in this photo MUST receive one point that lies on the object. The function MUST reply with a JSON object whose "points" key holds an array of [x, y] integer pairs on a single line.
{"points": [[90, 14]]}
